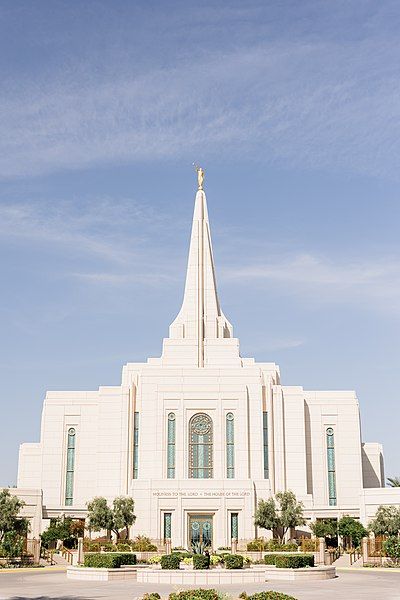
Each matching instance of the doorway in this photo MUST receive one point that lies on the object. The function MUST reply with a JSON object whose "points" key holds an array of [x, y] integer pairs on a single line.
{"points": [[200, 529]]}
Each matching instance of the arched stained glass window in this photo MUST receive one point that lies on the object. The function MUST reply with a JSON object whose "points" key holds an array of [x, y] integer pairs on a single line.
{"points": [[330, 450], [69, 478], [200, 447], [230, 446], [171, 435]]}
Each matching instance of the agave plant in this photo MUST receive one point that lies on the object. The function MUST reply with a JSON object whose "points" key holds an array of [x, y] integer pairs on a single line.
{"points": [[199, 547], [394, 481]]}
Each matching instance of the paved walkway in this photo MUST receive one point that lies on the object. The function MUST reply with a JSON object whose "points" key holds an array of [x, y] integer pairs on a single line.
{"points": [[45, 585]]}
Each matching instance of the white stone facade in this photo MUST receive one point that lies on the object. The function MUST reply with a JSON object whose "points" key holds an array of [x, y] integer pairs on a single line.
{"points": [[119, 440]]}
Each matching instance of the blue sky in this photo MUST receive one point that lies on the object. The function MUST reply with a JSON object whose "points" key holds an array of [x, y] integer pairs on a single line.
{"points": [[292, 108]]}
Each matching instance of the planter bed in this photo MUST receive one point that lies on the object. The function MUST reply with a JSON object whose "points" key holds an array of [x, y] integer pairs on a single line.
{"points": [[101, 574], [201, 577], [307, 574]]}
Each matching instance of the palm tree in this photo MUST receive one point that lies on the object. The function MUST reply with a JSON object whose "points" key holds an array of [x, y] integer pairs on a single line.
{"points": [[394, 481]]}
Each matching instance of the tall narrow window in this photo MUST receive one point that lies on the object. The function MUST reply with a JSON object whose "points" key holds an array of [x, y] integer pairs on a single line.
{"points": [[234, 526], [171, 446], [265, 444], [167, 526], [330, 450], [230, 446], [135, 444], [69, 479], [201, 447]]}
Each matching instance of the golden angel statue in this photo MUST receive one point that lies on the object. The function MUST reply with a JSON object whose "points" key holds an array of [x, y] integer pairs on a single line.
{"points": [[200, 176]]}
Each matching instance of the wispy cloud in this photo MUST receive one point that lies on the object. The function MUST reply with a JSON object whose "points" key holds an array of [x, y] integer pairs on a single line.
{"points": [[306, 102], [373, 283]]}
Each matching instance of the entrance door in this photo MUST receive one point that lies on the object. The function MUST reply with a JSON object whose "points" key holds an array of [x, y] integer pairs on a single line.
{"points": [[200, 529]]}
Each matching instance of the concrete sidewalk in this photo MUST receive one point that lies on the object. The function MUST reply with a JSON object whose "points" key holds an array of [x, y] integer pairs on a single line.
{"points": [[51, 585]]}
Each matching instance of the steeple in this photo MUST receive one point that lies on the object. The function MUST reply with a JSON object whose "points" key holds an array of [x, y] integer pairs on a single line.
{"points": [[200, 319]]}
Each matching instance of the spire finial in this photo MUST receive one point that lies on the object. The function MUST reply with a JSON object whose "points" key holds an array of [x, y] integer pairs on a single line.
{"points": [[200, 176]]}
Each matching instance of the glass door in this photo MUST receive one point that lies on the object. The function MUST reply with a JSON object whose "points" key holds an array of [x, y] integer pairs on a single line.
{"points": [[200, 529]]}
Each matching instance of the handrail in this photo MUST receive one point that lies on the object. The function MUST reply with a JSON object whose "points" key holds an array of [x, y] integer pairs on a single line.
{"points": [[48, 555], [67, 555], [355, 555]]}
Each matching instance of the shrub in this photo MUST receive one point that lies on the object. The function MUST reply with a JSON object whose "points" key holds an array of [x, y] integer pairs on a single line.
{"points": [[233, 561], [128, 558], [123, 547], [200, 561], [198, 594], [257, 545], [291, 561], [143, 544], [270, 595], [170, 561], [270, 559], [103, 561], [154, 560], [182, 555], [215, 559], [275, 546], [392, 548], [151, 596]]}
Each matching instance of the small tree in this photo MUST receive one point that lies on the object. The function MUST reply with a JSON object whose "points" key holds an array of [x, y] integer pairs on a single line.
{"points": [[279, 514], [386, 521], [10, 507], [99, 514], [326, 528], [349, 527], [121, 516], [65, 530]]}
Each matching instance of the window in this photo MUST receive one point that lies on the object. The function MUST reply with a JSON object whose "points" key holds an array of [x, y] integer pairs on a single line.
{"points": [[330, 450], [167, 525], [265, 444], [230, 446], [69, 479], [234, 526], [135, 444], [200, 447], [171, 446]]}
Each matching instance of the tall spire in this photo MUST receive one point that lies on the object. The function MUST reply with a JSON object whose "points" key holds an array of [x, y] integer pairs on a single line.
{"points": [[200, 318]]}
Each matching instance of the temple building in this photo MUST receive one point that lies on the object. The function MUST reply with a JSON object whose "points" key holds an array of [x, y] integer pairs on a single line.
{"points": [[199, 435]]}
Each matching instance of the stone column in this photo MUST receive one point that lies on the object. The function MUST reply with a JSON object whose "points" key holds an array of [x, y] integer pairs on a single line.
{"points": [[81, 554], [321, 552], [36, 551], [365, 549], [168, 546], [234, 545]]}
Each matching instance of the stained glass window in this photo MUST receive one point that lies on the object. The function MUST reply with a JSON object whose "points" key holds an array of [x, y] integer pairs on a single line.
{"points": [[69, 479], [167, 526], [171, 434], [330, 450], [265, 444], [234, 525], [230, 446], [201, 447], [135, 444]]}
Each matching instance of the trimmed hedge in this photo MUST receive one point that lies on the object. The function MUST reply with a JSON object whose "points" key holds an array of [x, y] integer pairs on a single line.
{"points": [[270, 559], [270, 595], [198, 594], [128, 558], [103, 561], [292, 561], [170, 561], [233, 561], [200, 561]]}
